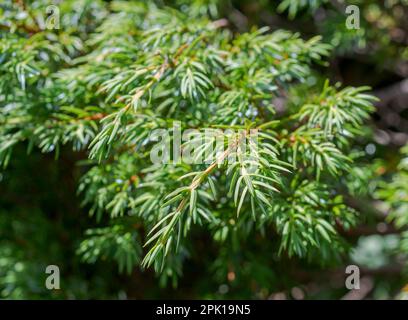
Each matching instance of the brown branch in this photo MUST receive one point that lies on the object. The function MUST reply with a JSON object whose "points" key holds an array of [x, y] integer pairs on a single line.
{"points": [[381, 229], [28, 29], [366, 285]]}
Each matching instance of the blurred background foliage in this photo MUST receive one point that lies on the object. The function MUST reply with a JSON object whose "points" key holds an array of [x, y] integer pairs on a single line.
{"points": [[42, 221]]}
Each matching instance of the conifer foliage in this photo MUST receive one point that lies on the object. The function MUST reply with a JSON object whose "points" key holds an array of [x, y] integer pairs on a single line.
{"points": [[107, 75]]}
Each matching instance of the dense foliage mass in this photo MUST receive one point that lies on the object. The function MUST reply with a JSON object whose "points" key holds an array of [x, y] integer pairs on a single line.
{"points": [[288, 158]]}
